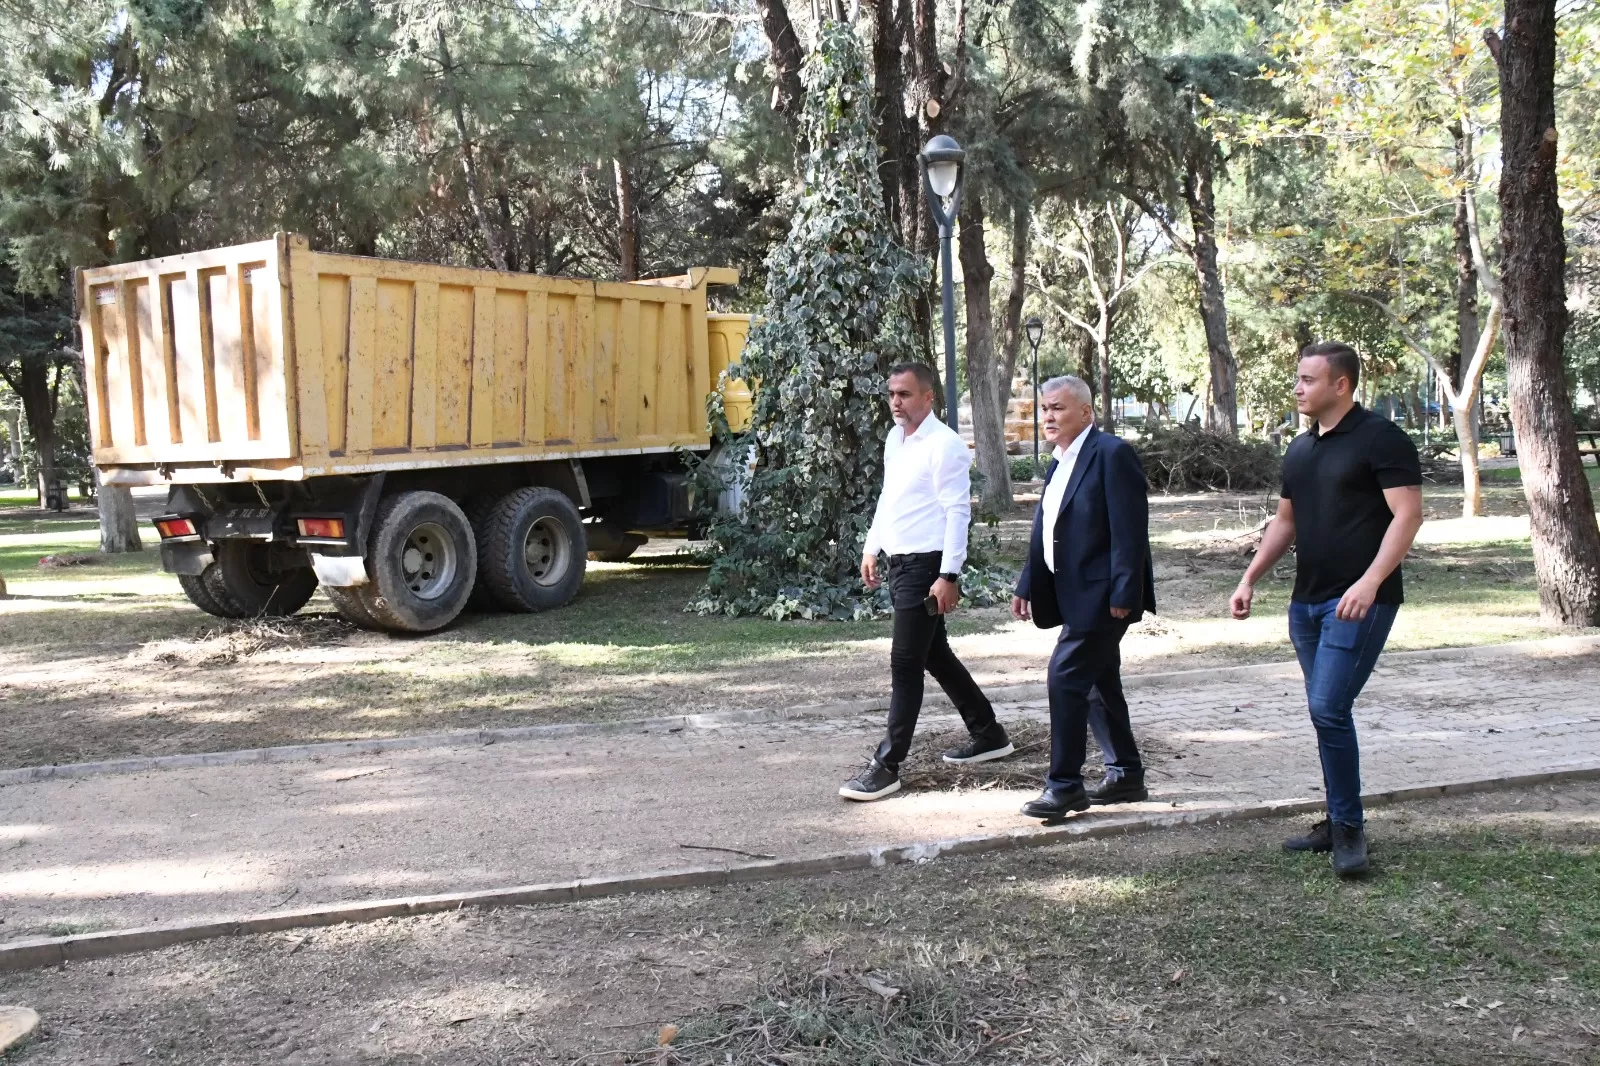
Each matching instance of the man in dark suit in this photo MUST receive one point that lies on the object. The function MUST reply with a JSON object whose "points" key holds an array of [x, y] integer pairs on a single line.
{"points": [[1089, 572]]}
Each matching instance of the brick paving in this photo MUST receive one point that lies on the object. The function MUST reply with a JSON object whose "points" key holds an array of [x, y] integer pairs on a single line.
{"points": [[188, 844]]}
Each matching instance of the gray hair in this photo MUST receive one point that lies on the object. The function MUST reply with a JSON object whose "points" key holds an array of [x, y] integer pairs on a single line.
{"points": [[1074, 385]]}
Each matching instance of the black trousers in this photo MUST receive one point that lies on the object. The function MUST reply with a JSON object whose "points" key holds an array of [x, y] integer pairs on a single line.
{"points": [[922, 645], [1085, 683]]}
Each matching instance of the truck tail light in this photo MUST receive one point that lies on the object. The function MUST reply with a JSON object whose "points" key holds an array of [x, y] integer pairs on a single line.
{"points": [[330, 528], [175, 527]]}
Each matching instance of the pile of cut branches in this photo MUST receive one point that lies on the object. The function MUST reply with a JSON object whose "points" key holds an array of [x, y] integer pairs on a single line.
{"points": [[1190, 459]]}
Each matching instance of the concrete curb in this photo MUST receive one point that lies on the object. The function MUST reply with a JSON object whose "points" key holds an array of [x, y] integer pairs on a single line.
{"points": [[58, 951], [722, 719]]}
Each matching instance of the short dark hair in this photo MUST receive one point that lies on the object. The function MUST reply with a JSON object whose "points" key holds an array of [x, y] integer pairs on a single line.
{"points": [[921, 371], [1343, 360]]}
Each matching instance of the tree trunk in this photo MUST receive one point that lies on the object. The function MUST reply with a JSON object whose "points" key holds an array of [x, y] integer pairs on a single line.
{"points": [[1467, 447], [897, 157], [1102, 346], [984, 371], [788, 92], [1566, 538], [627, 224], [492, 236], [119, 522], [38, 398], [1222, 415], [1011, 334], [1466, 280]]}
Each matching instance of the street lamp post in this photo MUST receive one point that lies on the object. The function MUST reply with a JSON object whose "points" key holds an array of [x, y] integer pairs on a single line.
{"points": [[941, 175], [1035, 331]]}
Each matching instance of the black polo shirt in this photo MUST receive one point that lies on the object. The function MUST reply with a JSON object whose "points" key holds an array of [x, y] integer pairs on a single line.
{"points": [[1335, 481]]}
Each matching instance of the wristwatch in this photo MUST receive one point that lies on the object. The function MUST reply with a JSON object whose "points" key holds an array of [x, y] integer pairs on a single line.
{"points": [[954, 579]]}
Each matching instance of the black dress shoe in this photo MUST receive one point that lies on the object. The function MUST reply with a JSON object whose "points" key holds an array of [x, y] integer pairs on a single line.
{"points": [[1057, 803], [1349, 850], [1120, 786], [1318, 840]]}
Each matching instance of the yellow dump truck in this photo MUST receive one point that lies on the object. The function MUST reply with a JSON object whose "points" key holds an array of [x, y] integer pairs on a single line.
{"points": [[409, 436]]}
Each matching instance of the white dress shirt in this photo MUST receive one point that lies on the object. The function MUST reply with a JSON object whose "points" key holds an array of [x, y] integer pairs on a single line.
{"points": [[926, 502], [1066, 459]]}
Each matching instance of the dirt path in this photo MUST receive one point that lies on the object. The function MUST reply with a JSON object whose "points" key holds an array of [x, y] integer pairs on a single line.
{"points": [[175, 845], [590, 984]]}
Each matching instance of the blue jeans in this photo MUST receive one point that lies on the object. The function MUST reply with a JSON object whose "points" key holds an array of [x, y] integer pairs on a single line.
{"points": [[1336, 658]]}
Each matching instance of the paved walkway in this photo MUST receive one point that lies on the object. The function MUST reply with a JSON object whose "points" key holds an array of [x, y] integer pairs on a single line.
{"points": [[167, 846]]}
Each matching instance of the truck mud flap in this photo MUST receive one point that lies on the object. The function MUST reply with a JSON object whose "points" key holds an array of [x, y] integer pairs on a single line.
{"points": [[189, 559]]}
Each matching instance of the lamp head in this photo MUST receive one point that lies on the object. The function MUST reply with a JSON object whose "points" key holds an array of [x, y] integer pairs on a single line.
{"points": [[942, 157], [1035, 329]]}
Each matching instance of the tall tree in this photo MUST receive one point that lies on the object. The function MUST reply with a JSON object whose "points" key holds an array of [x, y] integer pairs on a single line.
{"points": [[1107, 255], [37, 349], [1566, 537]]}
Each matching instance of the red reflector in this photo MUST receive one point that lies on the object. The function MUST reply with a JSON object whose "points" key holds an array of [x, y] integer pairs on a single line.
{"points": [[321, 527], [175, 527]]}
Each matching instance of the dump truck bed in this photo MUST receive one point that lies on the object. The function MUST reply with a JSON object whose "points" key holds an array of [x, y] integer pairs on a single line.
{"points": [[271, 361]]}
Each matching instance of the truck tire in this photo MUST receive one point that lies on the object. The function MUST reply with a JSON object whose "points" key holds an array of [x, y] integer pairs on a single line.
{"points": [[423, 560], [352, 606], [202, 590], [535, 550], [478, 509], [248, 586]]}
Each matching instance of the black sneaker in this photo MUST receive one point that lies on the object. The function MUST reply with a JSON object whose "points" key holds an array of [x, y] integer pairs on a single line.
{"points": [[1349, 850], [1119, 787], [873, 783], [1318, 840], [992, 745]]}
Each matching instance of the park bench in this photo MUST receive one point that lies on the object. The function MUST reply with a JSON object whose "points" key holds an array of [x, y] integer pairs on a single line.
{"points": [[1589, 444]]}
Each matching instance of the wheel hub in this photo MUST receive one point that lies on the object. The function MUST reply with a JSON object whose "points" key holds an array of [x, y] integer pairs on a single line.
{"points": [[547, 551], [428, 561]]}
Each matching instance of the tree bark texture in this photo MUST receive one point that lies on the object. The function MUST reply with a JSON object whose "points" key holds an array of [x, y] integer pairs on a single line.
{"points": [[1016, 295], [119, 521], [984, 371], [897, 152], [787, 58], [1566, 538], [627, 223], [1222, 414]]}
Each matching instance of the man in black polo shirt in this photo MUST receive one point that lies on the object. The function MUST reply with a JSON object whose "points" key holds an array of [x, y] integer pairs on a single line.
{"points": [[1351, 506]]}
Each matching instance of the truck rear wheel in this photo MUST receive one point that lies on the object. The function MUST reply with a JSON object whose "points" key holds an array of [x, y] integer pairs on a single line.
{"points": [[202, 589], [534, 550], [478, 510], [423, 561], [249, 586], [351, 606]]}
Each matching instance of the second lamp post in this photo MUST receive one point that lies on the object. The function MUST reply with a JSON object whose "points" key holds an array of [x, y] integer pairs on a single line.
{"points": [[941, 175]]}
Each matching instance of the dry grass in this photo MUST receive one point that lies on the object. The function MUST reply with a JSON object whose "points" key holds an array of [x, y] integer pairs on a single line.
{"points": [[228, 642]]}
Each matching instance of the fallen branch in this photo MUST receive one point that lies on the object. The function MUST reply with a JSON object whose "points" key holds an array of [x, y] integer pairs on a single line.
{"points": [[731, 851]]}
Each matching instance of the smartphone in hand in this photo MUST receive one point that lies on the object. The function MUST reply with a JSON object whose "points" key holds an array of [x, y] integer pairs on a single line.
{"points": [[931, 604]]}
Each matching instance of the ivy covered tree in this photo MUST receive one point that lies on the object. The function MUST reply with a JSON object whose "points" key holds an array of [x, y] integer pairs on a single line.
{"points": [[838, 315]]}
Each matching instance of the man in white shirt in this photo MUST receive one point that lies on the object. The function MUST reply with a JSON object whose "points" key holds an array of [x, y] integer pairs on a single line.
{"points": [[921, 523]]}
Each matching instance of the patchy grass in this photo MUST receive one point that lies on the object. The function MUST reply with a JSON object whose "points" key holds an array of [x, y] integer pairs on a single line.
{"points": [[1475, 941], [110, 659]]}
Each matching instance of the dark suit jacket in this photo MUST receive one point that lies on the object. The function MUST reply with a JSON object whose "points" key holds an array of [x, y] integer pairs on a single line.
{"points": [[1102, 543]]}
